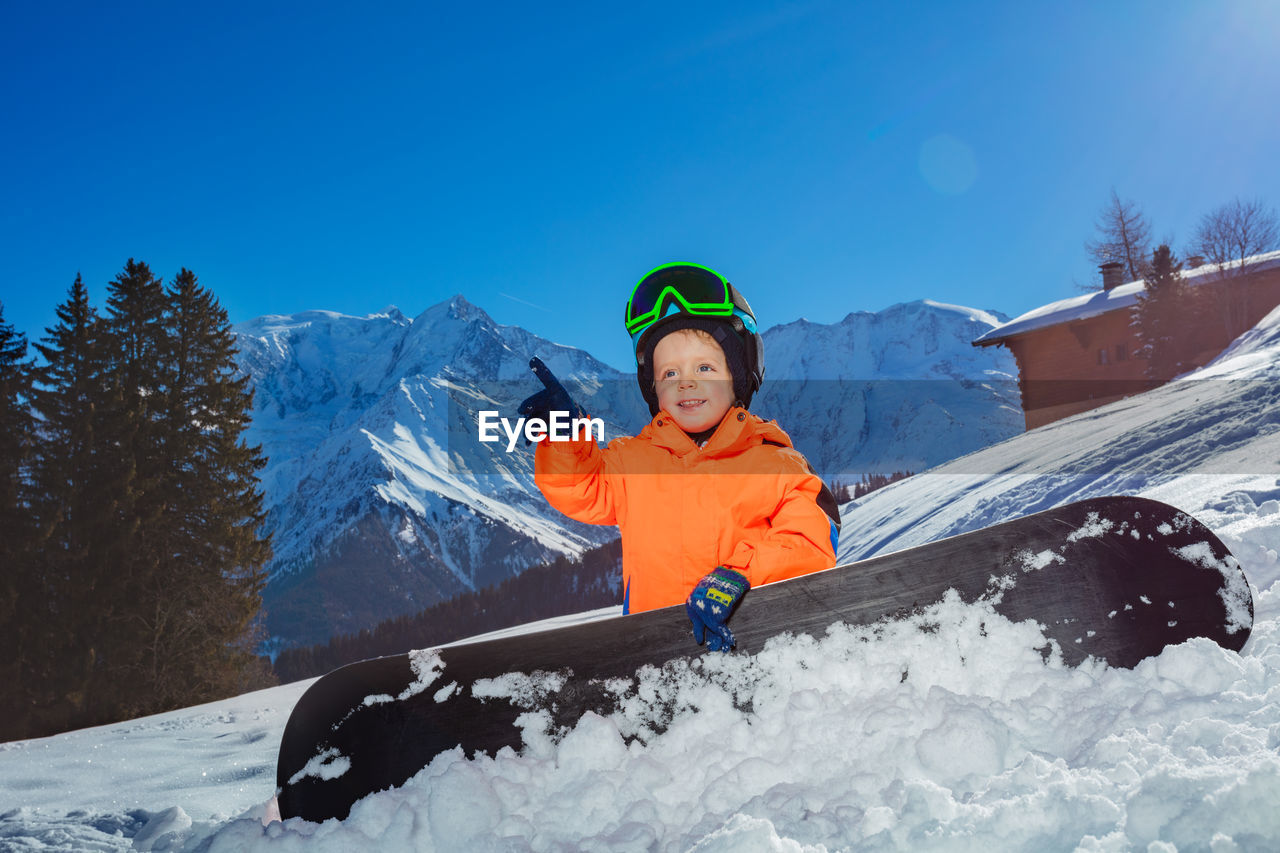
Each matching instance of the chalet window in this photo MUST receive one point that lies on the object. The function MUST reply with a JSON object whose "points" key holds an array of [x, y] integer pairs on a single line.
{"points": [[1122, 352], [1104, 356]]}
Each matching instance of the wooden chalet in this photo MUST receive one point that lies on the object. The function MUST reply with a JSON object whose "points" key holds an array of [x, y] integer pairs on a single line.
{"points": [[1081, 353]]}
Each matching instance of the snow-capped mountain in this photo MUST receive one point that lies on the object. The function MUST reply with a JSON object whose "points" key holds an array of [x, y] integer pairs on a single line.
{"points": [[898, 390], [383, 500]]}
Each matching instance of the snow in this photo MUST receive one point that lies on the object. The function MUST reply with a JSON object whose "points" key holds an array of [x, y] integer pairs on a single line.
{"points": [[957, 736], [948, 731]]}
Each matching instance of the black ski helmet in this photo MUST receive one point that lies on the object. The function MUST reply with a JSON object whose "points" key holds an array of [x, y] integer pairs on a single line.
{"points": [[679, 296]]}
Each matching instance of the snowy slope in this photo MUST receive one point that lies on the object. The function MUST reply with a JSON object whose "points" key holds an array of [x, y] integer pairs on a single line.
{"points": [[959, 737], [1203, 442], [383, 501]]}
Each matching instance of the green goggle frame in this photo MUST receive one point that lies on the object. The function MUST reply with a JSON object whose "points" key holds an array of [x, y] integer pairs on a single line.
{"points": [[688, 288]]}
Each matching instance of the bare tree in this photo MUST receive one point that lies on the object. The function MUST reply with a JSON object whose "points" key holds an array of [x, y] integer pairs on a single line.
{"points": [[1124, 237], [1235, 232], [1228, 237]]}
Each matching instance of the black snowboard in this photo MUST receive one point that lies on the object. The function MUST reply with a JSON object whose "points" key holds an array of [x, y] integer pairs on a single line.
{"points": [[1113, 578]]}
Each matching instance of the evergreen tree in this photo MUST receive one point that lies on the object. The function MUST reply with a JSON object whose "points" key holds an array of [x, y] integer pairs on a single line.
{"points": [[148, 583], [19, 577], [1165, 318], [191, 589], [15, 439], [133, 451], [207, 536], [15, 427], [75, 484], [871, 482]]}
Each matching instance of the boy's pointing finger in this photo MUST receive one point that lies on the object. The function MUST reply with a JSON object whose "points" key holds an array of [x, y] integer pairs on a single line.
{"points": [[543, 372]]}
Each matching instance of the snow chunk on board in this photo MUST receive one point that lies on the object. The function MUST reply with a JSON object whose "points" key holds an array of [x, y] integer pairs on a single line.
{"points": [[427, 667], [1093, 527], [1032, 562], [328, 764], [1235, 589], [524, 690]]}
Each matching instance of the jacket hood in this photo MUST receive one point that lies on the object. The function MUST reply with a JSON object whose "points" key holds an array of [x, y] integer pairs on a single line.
{"points": [[738, 430]]}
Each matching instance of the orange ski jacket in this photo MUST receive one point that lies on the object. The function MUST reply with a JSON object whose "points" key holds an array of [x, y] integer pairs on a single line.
{"points": [[747, 500]]}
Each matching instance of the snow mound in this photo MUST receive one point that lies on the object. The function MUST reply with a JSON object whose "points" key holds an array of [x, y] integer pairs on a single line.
{"points": [[946, 731]]}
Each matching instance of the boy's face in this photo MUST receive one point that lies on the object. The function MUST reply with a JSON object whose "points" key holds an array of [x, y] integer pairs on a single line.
{"points": [[692, 380]]}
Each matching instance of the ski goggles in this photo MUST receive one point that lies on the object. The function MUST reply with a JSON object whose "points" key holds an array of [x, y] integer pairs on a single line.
{"points": [[673, 288]]}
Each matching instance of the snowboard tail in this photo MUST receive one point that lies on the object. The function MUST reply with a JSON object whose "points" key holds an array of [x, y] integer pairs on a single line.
{"points": [[1116, 579]]}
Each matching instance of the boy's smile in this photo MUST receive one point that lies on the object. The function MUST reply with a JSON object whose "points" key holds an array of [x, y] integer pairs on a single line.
{"points": [[692, 380]]}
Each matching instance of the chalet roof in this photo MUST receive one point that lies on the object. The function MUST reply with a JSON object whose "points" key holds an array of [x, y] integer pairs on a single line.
{"points": [[1104, 301]]}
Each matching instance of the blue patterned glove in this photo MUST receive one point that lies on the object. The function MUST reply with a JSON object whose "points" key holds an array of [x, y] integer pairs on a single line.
{"points": [[711, 604]]}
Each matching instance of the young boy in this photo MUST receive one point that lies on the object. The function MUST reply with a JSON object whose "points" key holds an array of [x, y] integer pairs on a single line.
{"points": [[711, 500]]}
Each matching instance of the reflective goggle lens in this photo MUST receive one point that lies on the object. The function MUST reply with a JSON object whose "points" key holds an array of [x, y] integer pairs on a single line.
{"points": [[696, 289]]}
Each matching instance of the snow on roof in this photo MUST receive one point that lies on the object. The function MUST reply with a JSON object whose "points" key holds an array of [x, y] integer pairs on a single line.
{"points": [[1103, 301]]}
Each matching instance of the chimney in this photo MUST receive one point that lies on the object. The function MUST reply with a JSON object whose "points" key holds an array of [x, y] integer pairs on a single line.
{"points": [[1112, 274], [1194, 261]]}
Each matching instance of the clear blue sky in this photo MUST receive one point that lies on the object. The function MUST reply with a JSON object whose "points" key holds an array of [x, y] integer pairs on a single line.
{"points": [[828, 157]]}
